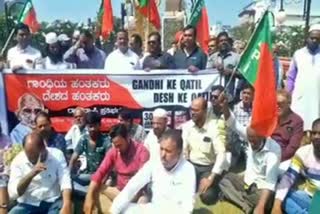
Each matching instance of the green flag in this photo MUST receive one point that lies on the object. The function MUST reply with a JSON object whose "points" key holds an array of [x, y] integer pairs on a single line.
{"points": [[256, 65]]}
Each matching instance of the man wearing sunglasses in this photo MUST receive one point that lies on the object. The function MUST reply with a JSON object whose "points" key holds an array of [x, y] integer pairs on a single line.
{"points": [[28, 107], [156, 58], [305, 164]]}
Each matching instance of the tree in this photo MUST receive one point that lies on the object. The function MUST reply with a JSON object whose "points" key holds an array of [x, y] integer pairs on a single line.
{"points": [[289, 39], [242, 32]]}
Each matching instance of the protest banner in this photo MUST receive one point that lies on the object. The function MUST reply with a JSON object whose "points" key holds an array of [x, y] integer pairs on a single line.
{"points": [[60, 93]]}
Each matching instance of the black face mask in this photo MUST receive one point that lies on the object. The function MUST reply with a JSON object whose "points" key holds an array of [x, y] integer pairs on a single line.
{"points": [[312, 46]]}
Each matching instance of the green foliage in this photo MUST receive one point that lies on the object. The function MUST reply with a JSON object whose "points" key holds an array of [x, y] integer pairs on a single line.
{"points": [[290, 39], [242, 32]]}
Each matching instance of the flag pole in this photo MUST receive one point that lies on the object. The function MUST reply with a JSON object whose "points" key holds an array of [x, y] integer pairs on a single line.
{"points": [[12, 31], [236, 67]]}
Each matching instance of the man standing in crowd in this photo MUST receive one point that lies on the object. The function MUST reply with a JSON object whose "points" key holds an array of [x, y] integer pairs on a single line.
{"points": [[65, 43], [84, 54], [54, 59], [5, 144], [77, 130], [225, 60], [303, 79], [28, 107], [93, 145], [204, 146], [212, 47], [254, 192], [122, 59], [306, 165], [50, 136], [22, 56], [135, 44], [136, 131], [38, 175], [191, 56], [159, 126], [289, 131], [172, 178], [125, 158], [156, 58]]}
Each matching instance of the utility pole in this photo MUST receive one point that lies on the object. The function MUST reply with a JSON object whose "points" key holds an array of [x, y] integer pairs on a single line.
{"points": [[306, 14]]}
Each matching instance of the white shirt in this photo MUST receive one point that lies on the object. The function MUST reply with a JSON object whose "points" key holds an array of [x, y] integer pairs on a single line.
{"points": [[46, 63], [173, 191], [20, 57], [152, 144], [73, 136], [47, 185], [120, 62], [262, 166]]}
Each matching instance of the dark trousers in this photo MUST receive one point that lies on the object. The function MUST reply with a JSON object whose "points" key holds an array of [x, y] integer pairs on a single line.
{"points": [[212, 194], [234, 190], [45, 207]]}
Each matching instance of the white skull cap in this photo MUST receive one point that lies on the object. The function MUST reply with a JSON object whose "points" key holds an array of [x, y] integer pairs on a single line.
{"points": [[160, 112]]}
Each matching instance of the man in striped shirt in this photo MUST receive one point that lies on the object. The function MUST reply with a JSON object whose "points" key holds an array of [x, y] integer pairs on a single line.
{"points": [[305, 164]]}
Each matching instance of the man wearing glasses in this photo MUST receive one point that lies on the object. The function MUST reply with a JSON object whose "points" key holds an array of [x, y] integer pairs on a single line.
{"points": [[28, 107], [156, 58]]}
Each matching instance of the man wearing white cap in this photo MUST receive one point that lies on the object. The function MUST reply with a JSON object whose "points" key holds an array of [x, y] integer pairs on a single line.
{"points": [[54, 59], [159, 126], [65, 42], [303, 79]]}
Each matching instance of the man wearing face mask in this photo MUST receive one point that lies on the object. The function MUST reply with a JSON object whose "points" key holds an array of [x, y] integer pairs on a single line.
{"points": [[225, 60], [303, 78], [84, 54], [28, 107], [304, 164]]}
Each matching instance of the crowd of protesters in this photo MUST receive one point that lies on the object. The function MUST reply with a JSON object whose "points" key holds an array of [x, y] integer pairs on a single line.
{"points": [[128, 170]]}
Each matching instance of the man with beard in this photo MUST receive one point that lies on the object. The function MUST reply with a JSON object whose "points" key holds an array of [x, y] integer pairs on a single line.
{"points": [[305, 164], [136, 131], [122, 59], [77, 130], [159, 126], [225, 60], [84, 54], [22, 56], [54, 59], [190, 56], [50, 136], [28, 107], [204, 146], [303, 79], [125, 158]]}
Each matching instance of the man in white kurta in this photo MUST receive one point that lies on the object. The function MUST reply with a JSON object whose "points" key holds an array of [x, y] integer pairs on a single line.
{"points": [[303, 79], [172, 178]]}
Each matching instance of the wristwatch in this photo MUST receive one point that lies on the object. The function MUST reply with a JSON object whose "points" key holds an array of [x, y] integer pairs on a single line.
{"points": [[3, 206]]}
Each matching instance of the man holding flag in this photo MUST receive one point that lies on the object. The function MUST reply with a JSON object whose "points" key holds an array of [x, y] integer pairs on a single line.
{"points": [[254, 192]]}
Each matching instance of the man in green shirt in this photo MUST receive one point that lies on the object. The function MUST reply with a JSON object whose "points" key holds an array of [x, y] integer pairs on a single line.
{"points": [[93, 145]]}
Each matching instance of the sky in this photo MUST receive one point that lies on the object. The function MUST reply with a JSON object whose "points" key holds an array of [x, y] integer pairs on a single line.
{"points": [[224, 11], [80, 10]]}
